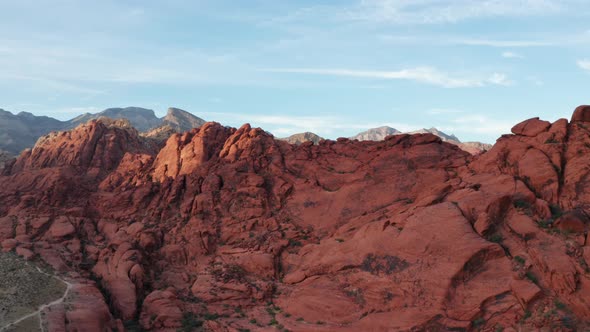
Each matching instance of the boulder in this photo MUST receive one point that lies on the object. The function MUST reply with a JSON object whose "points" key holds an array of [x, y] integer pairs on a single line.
{"points": [[581, 114], [531, 127]]}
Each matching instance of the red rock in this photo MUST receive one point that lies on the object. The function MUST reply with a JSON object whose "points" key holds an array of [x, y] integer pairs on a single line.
{"points": [[523, 225], [531, 127], [525, 291], [582, 114], [572, 221], [122, 277], [60, 228], [160, 310], [9, 244], [343, 232], [25, 253], [87, 311]]}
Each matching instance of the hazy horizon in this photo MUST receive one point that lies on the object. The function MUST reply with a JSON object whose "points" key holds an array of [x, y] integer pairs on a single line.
{"points": [[472, 69]]}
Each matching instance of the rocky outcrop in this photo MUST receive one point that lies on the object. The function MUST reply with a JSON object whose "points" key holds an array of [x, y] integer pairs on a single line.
{"points": [[231, 229], [581, 114]]}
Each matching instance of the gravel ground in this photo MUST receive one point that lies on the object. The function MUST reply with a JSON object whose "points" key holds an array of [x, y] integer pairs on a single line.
{"points": [[23, 289], [28, 325]]}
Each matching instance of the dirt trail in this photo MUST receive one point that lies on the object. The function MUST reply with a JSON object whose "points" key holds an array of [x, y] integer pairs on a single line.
{"points": [[43, 306]]}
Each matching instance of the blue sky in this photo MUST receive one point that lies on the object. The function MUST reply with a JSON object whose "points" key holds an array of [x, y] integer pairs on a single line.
{"points": [[472, 68]]}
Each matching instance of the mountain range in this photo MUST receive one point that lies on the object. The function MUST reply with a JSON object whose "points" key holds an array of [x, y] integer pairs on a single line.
{"points": [[380, 133], [231, 229], [21, 131]]}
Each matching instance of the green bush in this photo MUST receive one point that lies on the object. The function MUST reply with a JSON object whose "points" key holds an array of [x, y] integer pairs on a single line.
{"points": [[496, 238], [478, 322], [190, 322], [532, 277], [556, 211], [560, 305]]}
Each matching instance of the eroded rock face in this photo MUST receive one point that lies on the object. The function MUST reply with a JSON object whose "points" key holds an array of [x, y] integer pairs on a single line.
{"points": [[582, 114], [230, 229]]}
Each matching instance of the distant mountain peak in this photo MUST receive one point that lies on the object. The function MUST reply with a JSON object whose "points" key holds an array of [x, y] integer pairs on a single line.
{"points": [[21, 131], [433, 130], [379, 134], [181, 120], [302, 138], [376, 134]]}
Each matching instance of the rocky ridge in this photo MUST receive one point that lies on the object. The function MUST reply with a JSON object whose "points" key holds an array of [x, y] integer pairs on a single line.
{"points": [[381, 133], [21, 131], [230, 229]]}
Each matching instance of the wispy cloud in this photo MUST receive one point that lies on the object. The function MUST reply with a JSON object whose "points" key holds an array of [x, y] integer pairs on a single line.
{"points": [[500, 79], [584, 64], [480, 124], [448, 11], [56, 85], [512, 55], [427, 75], [443, 111], [500, 43]]}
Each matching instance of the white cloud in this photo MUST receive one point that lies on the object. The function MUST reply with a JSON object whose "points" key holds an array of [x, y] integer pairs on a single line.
{"points": [[512, 55], [500, 79], [448, 11], [443, 111], [584, 64], [500, 43], [480, 124], [427, 75]]}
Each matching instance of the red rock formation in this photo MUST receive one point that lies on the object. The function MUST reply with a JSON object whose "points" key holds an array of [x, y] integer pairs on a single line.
{"points": [[231, 229]]}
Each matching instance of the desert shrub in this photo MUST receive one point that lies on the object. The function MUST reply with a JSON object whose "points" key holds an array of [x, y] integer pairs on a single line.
{"points": [[190, 322], [496, 238], [551, 140], [559, 305], [383, 264], [478, 322], [545, 223], [532, 277], [521, 204], [556, 211]]}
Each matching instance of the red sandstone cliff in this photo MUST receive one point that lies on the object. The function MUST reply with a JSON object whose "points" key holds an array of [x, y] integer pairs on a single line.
{"points": [[229, 230]]}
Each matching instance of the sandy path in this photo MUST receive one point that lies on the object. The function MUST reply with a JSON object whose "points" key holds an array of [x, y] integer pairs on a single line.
{"points": [[43, 306]]}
